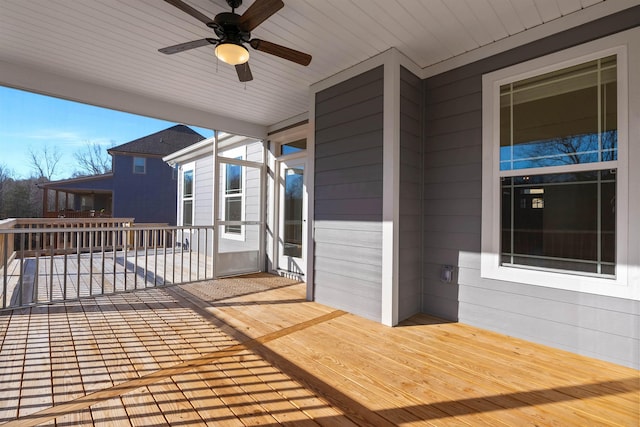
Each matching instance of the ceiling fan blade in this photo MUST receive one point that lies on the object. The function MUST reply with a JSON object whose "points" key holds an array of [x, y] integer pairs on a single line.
{"points": [[258, 12], [191, 11], [281, 51], [188, 45], [244, 72]]}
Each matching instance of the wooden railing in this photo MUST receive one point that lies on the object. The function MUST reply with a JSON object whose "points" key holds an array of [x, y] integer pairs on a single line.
{"points": [[70, 213], [77, 234], [47, 260]]}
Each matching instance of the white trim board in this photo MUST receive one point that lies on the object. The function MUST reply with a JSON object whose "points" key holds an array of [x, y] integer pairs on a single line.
{"points": [[567, 22]]}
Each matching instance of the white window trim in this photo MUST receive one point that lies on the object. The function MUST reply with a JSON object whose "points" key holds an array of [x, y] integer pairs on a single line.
{"points": [[233, 154], [622, 286], [144, 160], [188, 167]]}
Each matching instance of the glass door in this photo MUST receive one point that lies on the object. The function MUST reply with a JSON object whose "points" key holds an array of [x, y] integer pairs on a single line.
{"points": [[292, 230]]}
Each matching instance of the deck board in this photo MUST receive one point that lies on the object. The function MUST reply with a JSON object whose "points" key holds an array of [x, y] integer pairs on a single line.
{"points": [[252, 351]]}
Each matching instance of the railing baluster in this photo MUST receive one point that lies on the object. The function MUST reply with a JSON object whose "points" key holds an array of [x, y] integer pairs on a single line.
{"points": [[198, 255], [145, 236], [21, 281], [65, 267], [54, 238], [114, 241], [206, 247], [36, 275], [91, 263], [5, 262], [155, 257], [126, 254], [102, 262], [80, 236], [164, 262], [136, 235], [154, 236], [174, 245], [191, 255]]}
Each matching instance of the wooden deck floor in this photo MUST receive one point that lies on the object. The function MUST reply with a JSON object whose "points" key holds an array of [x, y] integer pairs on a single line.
{"points": [[252, 351]]}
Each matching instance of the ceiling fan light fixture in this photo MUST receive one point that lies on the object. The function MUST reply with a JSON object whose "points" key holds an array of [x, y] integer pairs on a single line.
{"points": [[232, 53]]}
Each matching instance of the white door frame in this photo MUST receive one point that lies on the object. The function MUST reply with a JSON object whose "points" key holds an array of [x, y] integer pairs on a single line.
{"points": [[219, 222]]}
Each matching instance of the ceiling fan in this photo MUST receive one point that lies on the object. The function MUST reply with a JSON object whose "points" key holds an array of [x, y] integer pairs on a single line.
{"points": [[234, 31]]}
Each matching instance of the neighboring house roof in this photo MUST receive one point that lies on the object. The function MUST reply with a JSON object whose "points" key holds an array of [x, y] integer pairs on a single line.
{"points": [[90, 183], [160, 143], [204, 147]]}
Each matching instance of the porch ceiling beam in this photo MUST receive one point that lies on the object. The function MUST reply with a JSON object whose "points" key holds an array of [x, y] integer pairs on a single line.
{"points": [[25, 77]]}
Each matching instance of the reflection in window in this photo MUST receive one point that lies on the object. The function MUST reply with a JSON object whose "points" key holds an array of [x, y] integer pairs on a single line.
{"points": [[572, 228], [187, 197], [139, 165], [233, 197], [560, 118], [293, 147], [293, 193]]}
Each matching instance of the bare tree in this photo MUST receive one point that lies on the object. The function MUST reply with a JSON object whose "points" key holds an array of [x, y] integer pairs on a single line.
{"points": [[5, 178], [570, 150], [92, 159], [45, 161]]}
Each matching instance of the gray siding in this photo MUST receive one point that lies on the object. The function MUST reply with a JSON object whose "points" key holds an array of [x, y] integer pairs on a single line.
{"points": [[348, 195], [593, 325], [410, 194]]}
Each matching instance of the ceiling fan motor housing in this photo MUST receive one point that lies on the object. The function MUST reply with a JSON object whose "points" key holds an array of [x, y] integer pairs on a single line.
{"points": [[226, 25]]}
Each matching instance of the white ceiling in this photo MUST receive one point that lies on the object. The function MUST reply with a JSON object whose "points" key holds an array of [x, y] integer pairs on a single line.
{"points": [[112, 44]]}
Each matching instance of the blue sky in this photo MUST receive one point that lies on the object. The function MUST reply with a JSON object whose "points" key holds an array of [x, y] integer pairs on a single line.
{"points": [[31, 121]]}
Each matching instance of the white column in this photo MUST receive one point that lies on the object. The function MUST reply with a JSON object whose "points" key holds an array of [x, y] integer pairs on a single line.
{"points": [[391, 190]]}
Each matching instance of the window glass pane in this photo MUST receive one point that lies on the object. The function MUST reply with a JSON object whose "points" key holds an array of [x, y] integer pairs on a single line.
{"points": [[293, 185], [233, 183], [293, 147], [187, 212], [565, 117], [138, 165], [560, 221], [233, 212], [187, 188]]}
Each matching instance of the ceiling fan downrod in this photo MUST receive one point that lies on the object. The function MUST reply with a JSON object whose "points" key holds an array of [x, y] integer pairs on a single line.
{"points": [[234, 4]]}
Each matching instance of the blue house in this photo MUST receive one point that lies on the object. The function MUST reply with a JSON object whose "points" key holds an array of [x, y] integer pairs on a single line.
{"points": [[141, 185]]}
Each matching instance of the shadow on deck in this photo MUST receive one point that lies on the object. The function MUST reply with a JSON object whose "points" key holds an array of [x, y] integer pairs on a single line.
{"points": [[252, 351]]}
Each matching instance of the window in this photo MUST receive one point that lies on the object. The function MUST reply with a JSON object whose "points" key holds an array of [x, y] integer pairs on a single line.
{"points": [[551, 187], [187, 197], [139, 165], [233, 194]]}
